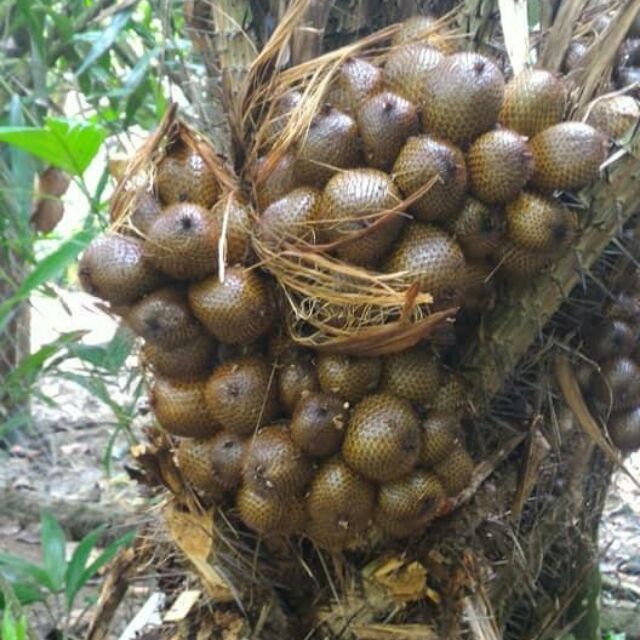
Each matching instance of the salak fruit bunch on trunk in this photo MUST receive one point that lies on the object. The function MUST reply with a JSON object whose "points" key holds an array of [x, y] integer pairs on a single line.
{"points": [[300, 323]]}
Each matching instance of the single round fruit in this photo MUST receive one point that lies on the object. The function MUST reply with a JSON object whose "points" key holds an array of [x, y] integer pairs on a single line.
{"points": [[517, 264], [567, 156], [163, 318], [349, 377], [478, 228], [431, 257], [455, 471], [440, 433], [180, 409], [353, 200], [241, 394], [463, 97], [451, 396], [146, 209], [413, 374], [407, 68], [618, 383], [227, 451], [382, 441], [269, 515], [385, 120], [184, 176], [193, 456], [423, 160], [330, 144], [624, 430], [291, 217], [534, 100], [499, 164], [114, 268], [318, 424], [614, 116], [183, 242], [274, 177], [539, 223], [274, 465], [237, 231], [193, 359], [239, 309], [339, 504], [295, 379], [613, 336], [411, 496], [358, 79], [575, 56]]}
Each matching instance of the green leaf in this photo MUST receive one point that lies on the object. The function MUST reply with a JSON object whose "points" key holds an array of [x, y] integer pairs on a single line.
{"points": [[77, 565], [26, 593], [107, 37], [53, 550], [68, 144], [47, 269], [26, 569], [16, 421], [107, 555]]}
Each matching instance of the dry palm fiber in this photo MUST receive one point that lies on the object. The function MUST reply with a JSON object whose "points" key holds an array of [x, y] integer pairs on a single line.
{"points": [[434, 580]]}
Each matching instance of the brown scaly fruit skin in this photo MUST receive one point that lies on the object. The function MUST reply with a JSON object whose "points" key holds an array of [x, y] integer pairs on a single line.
{"points": [[567, 156], [575, 56], [349, 377], [624, 430], [614, 116], [281, 114], [146, 209], [238, 310], [269, 515], [479, 288], [291, 217], [478, 228], [274, 465], [183, 242], [612, 338], [183, 176], [296, 379], [421, 28], [227, 452], [339, 505], [618, 384], [277, 183], [516, 264], [407, 68], [499, 164], [455, 471], [164, 319], [318, 424], [410, 496], [539, 223], [359, 79], [382, 441], [431, 257], [241, 394], [413, 374], [331, 144], [193, 456], [422, 159], [238, 231], [463, 97], [440, 432], [399, 528], [114, 268], [282, 348], [180, 409], [534, 100], [385, 120], [352, 201], [451, 396], [194, 359]]}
